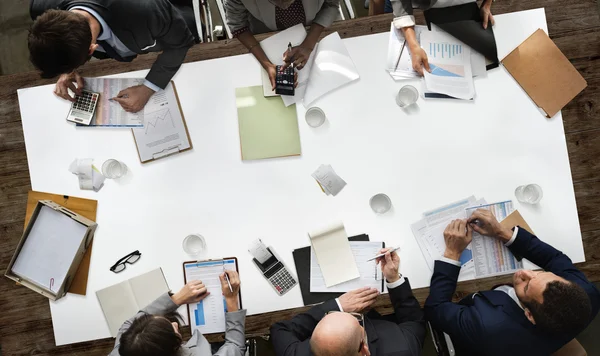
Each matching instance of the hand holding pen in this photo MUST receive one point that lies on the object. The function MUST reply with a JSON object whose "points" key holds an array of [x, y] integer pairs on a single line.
{"points": [[296, 56], [390, 264]]}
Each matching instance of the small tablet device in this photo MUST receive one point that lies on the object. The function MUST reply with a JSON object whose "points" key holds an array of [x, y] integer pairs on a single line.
{"points": [[284, 81], [83, 109], [272, 268]]}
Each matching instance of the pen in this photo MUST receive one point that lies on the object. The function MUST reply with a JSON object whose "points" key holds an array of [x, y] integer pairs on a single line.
{"points": [[400, 56], [290, 51], [120, 97], [228, 283], [383, 254]]}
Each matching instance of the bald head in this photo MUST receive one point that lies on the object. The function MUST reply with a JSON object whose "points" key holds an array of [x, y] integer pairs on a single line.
{"points": [[337, 334]]}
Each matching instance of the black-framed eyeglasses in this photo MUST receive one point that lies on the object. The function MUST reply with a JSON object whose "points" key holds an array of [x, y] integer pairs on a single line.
{"points": [[131, 259]]}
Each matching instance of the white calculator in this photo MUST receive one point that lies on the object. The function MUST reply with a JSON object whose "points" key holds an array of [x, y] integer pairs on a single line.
{"points": [[83, 109], [272, 268]]}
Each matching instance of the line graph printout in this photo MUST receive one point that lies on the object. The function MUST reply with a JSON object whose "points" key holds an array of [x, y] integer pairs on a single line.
{"points": [[164, 130], [450, 64]]}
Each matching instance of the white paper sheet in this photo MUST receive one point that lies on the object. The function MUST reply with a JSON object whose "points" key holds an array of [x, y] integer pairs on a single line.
{"points": [[450, 63], [49, 250], [332, 248], [208, 316], [478, 61], [370, 272], [164, 130]]}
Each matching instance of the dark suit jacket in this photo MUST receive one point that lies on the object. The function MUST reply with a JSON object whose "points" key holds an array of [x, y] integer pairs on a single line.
{"points": [[490, 323], [402, 337], [143, 26]]}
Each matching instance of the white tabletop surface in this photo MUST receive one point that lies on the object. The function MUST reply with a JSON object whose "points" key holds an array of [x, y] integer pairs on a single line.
{"points": [[441, 152]]}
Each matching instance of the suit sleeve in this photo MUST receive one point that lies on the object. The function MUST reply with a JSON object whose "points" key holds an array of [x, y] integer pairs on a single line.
{"points": [[169, 29], [161, 306], [291, 337], [235, 337], [458, 321], [328, 13], [409, 315], [553, 260]]}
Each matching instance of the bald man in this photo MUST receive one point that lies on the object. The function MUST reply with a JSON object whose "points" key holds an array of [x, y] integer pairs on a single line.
{"points": [[329, 329]]}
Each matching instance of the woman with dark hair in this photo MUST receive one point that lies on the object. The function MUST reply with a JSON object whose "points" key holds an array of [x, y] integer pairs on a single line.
{"points": [[154, 330]]}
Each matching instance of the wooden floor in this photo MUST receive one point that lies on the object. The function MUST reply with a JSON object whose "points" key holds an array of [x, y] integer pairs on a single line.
{"points": [[25, 322]]}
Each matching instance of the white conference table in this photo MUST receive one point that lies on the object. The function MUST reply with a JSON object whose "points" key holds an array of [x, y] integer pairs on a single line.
{"points": [[441, 152]]}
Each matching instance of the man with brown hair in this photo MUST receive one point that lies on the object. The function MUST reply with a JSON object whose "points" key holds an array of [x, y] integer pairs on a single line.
{"points": [[67, 33]]}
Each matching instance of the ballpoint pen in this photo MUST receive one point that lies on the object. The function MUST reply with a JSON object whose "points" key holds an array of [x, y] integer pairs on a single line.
{"points": [[383, 254], [290, 51], [228, 283]]}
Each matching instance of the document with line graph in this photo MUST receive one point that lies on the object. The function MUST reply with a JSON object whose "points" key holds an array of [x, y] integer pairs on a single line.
{"points": [[165, 131]]}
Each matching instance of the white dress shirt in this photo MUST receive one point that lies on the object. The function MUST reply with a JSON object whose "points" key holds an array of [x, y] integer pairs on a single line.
{"points": [[107, 35]]}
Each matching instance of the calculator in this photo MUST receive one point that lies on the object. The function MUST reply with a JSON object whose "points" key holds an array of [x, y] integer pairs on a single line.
{"points": [[83, 109], [284, 81], [272, 268]]}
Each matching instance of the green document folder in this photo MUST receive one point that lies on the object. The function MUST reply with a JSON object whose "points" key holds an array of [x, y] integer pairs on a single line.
{"points": [[267, 128]]}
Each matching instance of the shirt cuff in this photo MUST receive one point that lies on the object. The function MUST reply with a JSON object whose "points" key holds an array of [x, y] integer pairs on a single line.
{"points": [[514, 236], [151, 85], [404, 21], [337, 300], [450, 261], [395, 284]]}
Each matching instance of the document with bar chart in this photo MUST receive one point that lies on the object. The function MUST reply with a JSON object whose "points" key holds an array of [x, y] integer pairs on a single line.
{"points": [[490, 255], [208, 316], [450, 64], [164, 132]]}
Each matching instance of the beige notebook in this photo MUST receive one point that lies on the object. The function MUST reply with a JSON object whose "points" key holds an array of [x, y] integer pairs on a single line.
{"points": [[268, 129], [122, 301], [334, 254]]}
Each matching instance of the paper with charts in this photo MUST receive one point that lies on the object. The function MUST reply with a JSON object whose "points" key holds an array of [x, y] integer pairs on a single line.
{"points": [[109, 113], [450, 64], [370, 273], [165, 131], [331, 246], [208, 316], [484, 257]]}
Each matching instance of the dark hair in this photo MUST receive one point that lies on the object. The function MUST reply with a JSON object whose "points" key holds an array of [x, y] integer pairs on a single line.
{"points": [[150, 335], [59, 42], [566, 308]]}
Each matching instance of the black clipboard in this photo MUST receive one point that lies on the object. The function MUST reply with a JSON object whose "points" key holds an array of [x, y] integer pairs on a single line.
{"points": [[185, 281], [464, 22]]}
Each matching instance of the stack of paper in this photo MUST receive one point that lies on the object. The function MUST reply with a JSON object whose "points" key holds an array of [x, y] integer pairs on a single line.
{"points": [[329, 181], [336, 260], [370, 273], [399, 63], [484, 257]]}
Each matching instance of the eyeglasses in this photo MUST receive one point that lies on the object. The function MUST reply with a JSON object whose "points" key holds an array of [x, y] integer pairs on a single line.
{"points": [[361, 321], [131, 259]]}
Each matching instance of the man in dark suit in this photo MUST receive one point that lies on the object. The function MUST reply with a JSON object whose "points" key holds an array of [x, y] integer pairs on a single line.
{"points": [[67, 33], [333, 328], [537, 315]]}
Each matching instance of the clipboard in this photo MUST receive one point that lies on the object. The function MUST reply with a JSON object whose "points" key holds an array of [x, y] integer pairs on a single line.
{"points": [[170, 150], [216, 262]]}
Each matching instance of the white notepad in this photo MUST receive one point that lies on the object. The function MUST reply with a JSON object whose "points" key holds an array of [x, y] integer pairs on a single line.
{"points": [[370, 272], [328, 68], [332, 248], [122, 301]]}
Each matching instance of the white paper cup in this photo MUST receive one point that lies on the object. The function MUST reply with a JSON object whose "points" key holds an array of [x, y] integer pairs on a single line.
{"points": [[315, 117]]}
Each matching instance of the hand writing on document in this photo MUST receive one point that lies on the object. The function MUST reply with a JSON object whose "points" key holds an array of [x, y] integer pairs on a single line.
{"points": [[231, 298], [458, 236], [485, 223], [134, 99]]}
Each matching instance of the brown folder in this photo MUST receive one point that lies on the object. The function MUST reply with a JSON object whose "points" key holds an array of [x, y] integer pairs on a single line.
{"points": [[515, 219], [84, 207], [544, 72]]}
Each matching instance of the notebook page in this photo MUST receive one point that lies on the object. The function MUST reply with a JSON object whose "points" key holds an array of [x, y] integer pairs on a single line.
{"points": [[370, 273], [148, 286], [332, 248], [118, 304]]}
